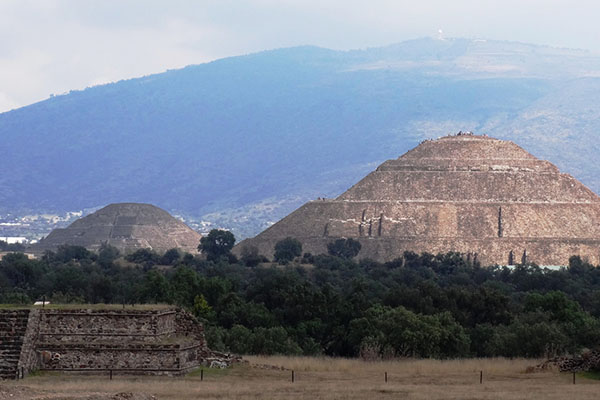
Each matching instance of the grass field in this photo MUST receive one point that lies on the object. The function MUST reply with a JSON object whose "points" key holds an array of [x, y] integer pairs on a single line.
{"points": [[324, 378]]}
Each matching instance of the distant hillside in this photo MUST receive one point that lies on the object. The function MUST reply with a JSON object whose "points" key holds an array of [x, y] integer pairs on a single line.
{"points": [[244, 140]]}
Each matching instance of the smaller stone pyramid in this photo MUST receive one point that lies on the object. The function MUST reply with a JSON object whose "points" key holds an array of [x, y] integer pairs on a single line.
{"points": [[126, 226]]}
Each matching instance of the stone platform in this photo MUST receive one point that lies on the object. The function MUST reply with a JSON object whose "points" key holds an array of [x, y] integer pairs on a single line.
{"points": [[169, 341]]}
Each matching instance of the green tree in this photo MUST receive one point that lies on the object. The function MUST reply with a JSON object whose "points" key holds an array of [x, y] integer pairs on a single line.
{"points": [[185, 286], [344, 248], [19, 270], [202, 309], [218, 243], [100, 289], [14, 247], [250, 256], [66, 253], [155, 288], [215, 337], [266, 341], [143, 256], [214, 288], [274, 340], [287, 249], [405, 333], [233, 310], [107, 255], [578, 267], [171, 257]]}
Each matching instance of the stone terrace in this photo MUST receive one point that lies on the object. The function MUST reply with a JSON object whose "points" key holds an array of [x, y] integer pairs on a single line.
{"points": [[168, 341]]}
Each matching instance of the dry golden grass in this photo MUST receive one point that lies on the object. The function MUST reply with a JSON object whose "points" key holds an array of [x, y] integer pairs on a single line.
{"points": [[327, 378], [403, 366]]}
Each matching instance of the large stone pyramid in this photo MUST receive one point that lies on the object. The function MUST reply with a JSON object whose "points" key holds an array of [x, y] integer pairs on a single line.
{"points": [[126, 226], [466, 193]]}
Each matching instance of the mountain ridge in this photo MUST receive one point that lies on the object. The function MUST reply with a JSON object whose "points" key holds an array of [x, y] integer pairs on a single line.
{"points": [[290, 125]]}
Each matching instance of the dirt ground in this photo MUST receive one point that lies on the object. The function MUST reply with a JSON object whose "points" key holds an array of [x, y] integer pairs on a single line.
{"points": [[318, 378]]}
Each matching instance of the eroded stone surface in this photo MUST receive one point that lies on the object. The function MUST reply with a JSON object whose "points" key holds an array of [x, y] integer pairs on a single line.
{"points": [[161, 342], [158, 342], [466, 193]]}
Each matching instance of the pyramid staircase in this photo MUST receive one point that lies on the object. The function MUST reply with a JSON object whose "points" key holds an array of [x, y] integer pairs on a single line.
{"points": [[13, 324]]}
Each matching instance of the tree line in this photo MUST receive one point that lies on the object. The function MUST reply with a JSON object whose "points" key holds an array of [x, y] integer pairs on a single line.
{"points": [[418, 305], [4, 246]]}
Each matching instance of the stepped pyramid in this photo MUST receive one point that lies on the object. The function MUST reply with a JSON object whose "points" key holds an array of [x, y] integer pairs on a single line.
{"points": [[473, 194], [126, 226]]}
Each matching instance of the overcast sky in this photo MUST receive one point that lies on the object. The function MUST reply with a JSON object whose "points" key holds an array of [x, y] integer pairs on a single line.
{"points": [[53, 46]]}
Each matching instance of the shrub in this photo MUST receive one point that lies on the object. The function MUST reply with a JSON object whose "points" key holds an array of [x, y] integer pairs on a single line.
{"points": [[344, 248], [287, 249]]}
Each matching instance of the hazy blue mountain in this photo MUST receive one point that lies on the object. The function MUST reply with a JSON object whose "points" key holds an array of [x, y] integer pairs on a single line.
{"points": [[244, 140]]}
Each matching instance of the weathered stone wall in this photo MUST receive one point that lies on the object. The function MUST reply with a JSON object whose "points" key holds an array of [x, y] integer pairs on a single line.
{"points": [[472, 164], [148, 342], [191, 357], [502, 186], [161, 342], [189, 329], [187, 326], [440, 219], [91, 357], [105, 326]]}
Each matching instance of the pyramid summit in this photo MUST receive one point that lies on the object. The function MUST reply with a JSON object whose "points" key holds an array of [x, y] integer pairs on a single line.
{"points": [[467, 193], [126, 226]]}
